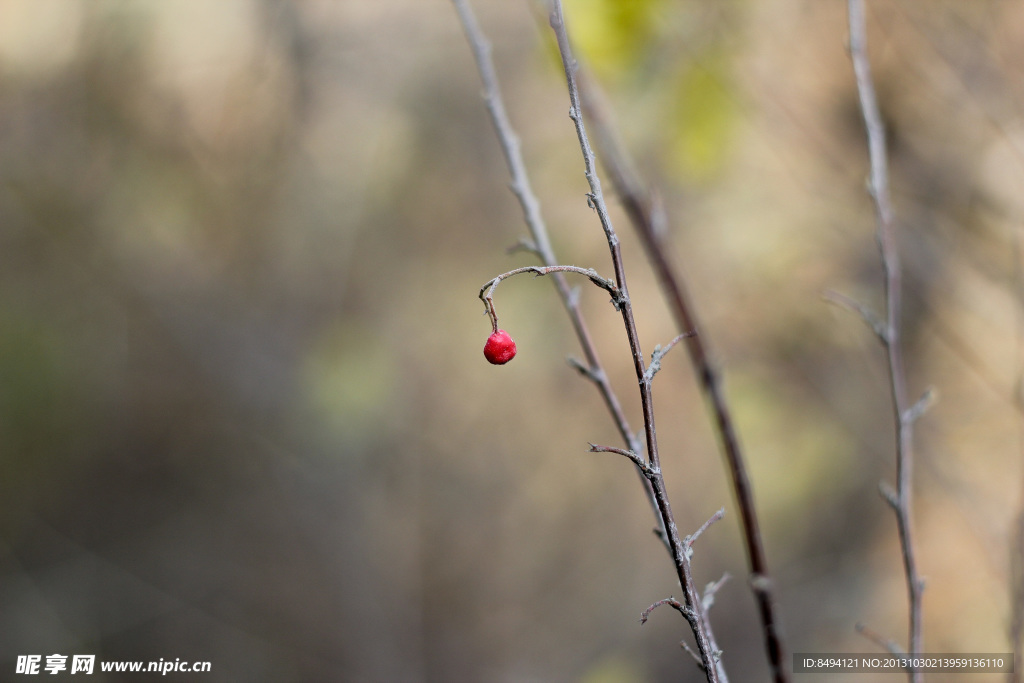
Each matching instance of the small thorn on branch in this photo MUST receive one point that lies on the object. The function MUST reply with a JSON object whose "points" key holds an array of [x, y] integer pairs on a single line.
{"points": [[524, 244], [887, 644], [923, 405], [889, 494], [689, 650], [647, 470], [590, 373], [709, 591], [690, 540], [879, 327], [660, 352], [671, 602]]}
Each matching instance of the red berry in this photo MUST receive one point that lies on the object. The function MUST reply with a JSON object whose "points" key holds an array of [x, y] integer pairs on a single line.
{"points": [[499, 348]]}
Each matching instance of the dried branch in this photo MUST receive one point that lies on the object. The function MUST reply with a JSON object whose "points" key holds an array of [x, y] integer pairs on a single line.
{"points": [[487, 291], [648, 218], [690, 540], [539, 243], [636, 458], [693, 607], [694, 655], [711, 589], [866, 314], [887, 644], [879, 190], [660, 353], [923, 405], [672, 602]]}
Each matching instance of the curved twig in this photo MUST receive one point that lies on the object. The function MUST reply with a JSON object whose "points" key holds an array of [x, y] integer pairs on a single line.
{"points": [[487, 291]]}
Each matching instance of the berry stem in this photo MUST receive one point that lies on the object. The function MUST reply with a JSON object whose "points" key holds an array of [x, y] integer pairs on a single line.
{"points": [[487, 291]]}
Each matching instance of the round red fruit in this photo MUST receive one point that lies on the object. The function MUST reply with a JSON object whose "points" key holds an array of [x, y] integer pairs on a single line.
{"points": [[499, 348]]}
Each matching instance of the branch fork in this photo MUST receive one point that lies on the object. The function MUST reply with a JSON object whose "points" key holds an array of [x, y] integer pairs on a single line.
{"points": [[660, 353], [649, 467], [638, 460]]}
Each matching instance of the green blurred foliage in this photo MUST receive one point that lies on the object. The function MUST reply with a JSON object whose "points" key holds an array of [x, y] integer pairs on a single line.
{"points": [[34, 367], [615, 669], [702, 117], [635, 44], [350, 378], [614, 36]]}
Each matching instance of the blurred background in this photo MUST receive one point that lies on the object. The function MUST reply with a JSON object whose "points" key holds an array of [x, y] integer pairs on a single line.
{"points": [[244, 414]]}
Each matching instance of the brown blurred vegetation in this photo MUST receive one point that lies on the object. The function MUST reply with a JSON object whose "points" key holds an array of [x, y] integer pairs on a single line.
{"points": [[244, 415]]}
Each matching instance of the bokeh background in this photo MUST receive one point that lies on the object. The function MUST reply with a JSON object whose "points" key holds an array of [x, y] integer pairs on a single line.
{"points": [[244, 416]]}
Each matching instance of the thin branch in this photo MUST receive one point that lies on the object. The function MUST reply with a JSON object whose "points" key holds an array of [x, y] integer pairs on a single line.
{"points": [[711, 589], [487, 291], [866, 314], [690, 540], [694, 655], [539, 241], [879, 190], [636, 458], [660, 353], [523, 244], [923, 405], [698, 622], [520, 186], [887, 644], [647, 215], [889, 495], [689, 615], [671, 602]]}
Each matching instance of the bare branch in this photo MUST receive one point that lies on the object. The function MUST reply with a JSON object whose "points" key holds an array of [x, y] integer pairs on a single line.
{"points": [[487, 291], [689, 615], [506, 134], [592, 367], [647, 215], [694, 655], [538, 231], [698, 622], [878, 186], [870, 319], [660, 353], [581, 367], [889, 495], [891, 646], [711, 589], [671, 602], [523, 244], [690, 540], [923, 405], [637, 459]]}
